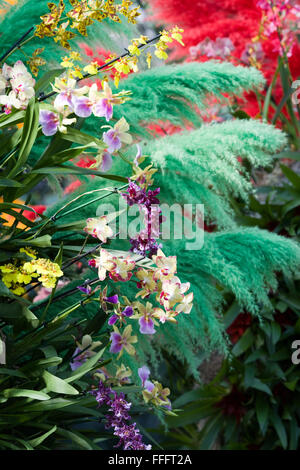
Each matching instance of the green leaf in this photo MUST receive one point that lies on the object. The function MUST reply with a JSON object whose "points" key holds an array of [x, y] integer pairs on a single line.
{"points": [[53, 404], [243, 344], [269, 95], [29, 133], [55, 384], [36, 368], [275, 332], [288, 154], [8, 183], [211, 431], [292, 384], [77, 438], [17, 312], [259, 385], [41, 242], [280, 429], [192, 413], [38, 440], [78, 137], [12, 372], [291, 176], [262, 412], [86, 367], [70, 170], [294, 434], [12, 119], [43, 83], [13, 205], [60, 157], [19, 392], [231, 314]]}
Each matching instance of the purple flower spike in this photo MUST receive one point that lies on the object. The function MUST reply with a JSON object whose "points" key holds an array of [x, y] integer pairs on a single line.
{"points": [[116, 345], [114, 299], [112, 140], [144, 373], [128, 311], [113, 319], [130, 437], [146, 326], [49, 122]]}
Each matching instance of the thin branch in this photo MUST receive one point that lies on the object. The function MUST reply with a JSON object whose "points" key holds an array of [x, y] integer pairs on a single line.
{"points": [[43, 97], [16, 44]]}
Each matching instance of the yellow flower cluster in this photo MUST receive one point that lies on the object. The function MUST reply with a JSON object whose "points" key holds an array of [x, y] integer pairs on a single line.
{"points": [[130, 64], [125, 65], [166, 38], [20, 273], [35, 62], [82, 14]]}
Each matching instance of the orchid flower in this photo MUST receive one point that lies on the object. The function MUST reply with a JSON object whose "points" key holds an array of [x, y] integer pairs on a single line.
{"points": [[122, 341], [99, 228], [51, 122], [145, 316], [146, 282], [166, 266], [67, 92], [118, 135], [87, 345]]}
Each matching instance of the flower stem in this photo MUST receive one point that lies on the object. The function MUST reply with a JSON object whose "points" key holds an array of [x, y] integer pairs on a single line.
{"points": [[16, 44], [43, 97]]}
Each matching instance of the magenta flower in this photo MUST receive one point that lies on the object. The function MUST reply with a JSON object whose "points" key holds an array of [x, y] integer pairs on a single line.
{"points": [[100, 103], [104, 108], [113, 319], [67, 91], [127, 312], [106, 162], [114, 299], [117, 135], [146, 325], [49, 122], [122, 340], [144, 373]]}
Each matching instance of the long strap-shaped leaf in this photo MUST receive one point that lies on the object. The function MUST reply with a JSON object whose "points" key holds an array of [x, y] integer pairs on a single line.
{"points": [[29, 134]]}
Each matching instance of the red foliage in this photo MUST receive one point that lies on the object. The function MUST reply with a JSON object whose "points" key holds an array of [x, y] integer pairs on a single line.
{"points": [[238, 20], [239, 326], [232, 404]]}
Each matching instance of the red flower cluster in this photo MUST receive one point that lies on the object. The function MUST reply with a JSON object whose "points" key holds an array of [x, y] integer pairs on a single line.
{"points": [[239, 326], [240, 21], [232, 404]]}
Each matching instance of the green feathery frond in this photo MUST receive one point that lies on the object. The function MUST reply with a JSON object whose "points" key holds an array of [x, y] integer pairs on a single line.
{"points": [[176, 93], [201, 166]]}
